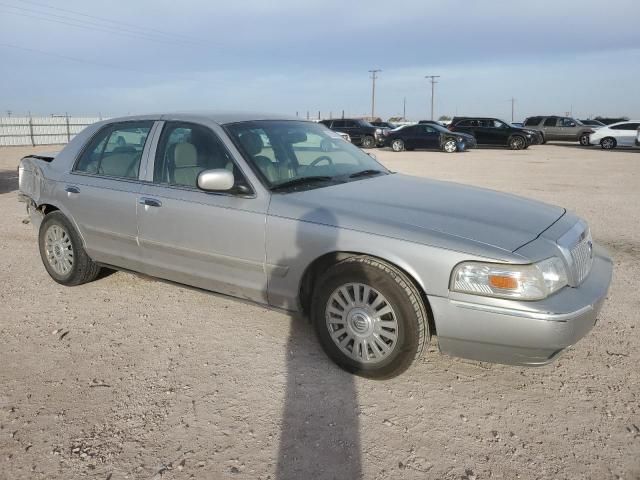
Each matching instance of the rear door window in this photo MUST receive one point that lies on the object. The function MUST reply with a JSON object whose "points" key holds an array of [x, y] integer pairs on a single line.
{"points": [[626, 126], [116, 150], [550, 122]]}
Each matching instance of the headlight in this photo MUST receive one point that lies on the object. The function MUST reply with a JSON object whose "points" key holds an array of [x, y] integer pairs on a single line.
{"points": [[378, 131], [459, 139], [523, 282]]}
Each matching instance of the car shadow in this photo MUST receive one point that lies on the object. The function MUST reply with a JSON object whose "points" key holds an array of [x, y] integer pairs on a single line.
{"points": [[8, 181], [596, 147], [320, 435]]}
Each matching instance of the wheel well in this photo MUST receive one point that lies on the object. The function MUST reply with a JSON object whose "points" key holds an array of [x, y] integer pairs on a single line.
{"points": [[45, 208], [321, 264]]}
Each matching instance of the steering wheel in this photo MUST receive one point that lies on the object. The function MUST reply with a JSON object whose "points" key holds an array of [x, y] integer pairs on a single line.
{"points": [[320, 159]]}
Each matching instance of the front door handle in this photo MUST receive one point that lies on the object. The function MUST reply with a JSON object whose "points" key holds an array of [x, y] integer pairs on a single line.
{"points": [[150, 202], [71, 189]]}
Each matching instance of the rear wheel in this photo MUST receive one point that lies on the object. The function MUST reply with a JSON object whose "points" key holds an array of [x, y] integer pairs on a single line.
{"points": [[369, 317], [397, 145], [62, 252], [584, 139], [450, 146], [608, 143], [517, 142], [368, 142]]}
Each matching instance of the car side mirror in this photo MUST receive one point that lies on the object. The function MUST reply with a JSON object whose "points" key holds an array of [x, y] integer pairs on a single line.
{"points": [[218, 180]]}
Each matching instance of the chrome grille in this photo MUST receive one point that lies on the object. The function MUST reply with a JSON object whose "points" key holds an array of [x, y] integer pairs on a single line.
{"points": [[582, 258]]}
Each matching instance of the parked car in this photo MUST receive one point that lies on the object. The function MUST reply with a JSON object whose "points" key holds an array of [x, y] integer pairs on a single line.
{"points": [[621, 134], [495, 132], [327, 144], [388, 125], [378, 261], [361, 132], [594, 124], [560, 128], [411, 137]]}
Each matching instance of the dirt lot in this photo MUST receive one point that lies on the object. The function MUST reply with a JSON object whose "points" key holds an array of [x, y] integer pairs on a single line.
{"points": [[131, 378]]}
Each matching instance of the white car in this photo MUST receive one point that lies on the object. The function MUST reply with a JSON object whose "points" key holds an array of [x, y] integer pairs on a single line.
{"points": [[621, 134]]}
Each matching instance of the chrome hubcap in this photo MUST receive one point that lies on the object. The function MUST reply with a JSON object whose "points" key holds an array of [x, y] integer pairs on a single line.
{"points": [[58, 249], [450, 146], [397, 145], [362, 323]]}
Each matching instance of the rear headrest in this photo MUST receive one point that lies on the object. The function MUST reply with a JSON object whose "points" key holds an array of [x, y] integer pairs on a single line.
{"points": [[252, 142], [185, 155]]}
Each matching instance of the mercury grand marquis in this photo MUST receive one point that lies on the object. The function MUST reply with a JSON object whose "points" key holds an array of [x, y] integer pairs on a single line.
{"points": [[286, 213]]}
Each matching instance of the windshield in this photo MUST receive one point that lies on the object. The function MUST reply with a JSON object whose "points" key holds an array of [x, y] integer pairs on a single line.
{"points": [[289, 151]]}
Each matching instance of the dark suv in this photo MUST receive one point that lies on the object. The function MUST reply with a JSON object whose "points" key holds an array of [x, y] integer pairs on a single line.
{"points": [[560, 128], [492, 131], [362, 133]]}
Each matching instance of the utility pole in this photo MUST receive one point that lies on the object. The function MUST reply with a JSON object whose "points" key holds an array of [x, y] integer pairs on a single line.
{"points": [[432, 79], [374, 75], [513, 102], [404, 109]]}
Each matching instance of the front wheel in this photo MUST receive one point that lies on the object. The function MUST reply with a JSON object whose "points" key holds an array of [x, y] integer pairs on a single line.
{"points": [[397, 145], [369, 317], [517, 142], [62, 252], [450, 146], [368, 142], [608, 143], [584, 139]]}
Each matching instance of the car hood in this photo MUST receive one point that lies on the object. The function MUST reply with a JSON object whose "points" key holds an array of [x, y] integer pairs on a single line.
{"points": [[422, 210]]}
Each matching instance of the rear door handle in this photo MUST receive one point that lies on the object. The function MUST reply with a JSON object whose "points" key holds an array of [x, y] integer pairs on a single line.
{"points": [[72, 189], [150, 202]]}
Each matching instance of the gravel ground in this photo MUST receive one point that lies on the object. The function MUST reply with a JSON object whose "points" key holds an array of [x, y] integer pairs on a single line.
{"points": [[127, 377]]}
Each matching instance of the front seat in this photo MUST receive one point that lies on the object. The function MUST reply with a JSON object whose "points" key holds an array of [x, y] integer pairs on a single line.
{"points": [[252, 143], [185, 165]]}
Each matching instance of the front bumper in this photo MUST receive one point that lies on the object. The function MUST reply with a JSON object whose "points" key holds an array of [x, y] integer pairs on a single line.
{"points": [[535, 139], [529, 336]]}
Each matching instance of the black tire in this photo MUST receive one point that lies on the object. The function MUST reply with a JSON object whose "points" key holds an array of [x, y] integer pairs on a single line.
{"points": [[83, 269], [397, 145], [517, 142], [368, 141], [584, 139], [608, 143], [403, 297]]}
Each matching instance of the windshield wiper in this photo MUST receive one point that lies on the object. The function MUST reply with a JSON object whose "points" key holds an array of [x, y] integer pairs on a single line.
{"points": [[302, 181], [364, 173]]}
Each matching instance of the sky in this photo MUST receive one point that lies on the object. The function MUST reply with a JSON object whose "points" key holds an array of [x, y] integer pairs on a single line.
{"points": [[296, 56]]}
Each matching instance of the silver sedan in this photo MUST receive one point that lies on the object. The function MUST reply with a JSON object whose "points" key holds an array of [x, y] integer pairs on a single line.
{"points": [[286, 213]]}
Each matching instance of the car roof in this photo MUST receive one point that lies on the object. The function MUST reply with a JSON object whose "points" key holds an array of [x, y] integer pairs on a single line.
{"points": [[221, 118]]}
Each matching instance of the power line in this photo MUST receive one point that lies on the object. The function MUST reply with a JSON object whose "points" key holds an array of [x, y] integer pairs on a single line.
{"points": [[104, 19], [85, 24], [66, 57]]}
